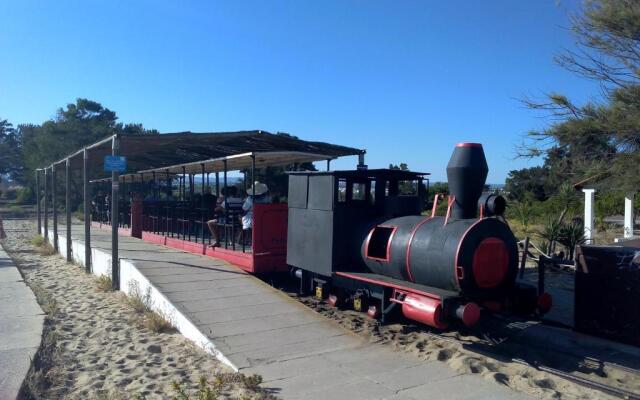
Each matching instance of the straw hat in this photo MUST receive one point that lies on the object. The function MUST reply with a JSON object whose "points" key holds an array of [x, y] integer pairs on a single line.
{"points": [[260, 188]]}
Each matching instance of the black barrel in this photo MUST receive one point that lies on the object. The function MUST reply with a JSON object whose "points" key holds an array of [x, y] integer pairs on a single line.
{"points": [[471, 256], [466, 172]]}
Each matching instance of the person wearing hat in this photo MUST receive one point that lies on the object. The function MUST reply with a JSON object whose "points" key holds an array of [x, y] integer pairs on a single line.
{"points": [[262, 196], [229, 200]]}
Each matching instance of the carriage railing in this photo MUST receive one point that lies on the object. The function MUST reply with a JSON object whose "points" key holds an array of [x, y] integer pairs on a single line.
{"points": [[188, 221]]}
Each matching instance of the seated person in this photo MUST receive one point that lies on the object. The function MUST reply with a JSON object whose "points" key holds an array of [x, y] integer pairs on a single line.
{"points": [[262, 196], [209, 198], [228, 200]]}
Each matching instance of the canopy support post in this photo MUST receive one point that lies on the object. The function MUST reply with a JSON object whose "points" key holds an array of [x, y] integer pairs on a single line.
{"points": [[46, 205], [67, 207], [115, 186], [169, 195], [87, 213], [38, 202], [54, 205], [226, 204], [328, 164], [253, 177], [202, 208]]}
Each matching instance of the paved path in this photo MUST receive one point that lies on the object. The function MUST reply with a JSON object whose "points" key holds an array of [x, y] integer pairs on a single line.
{"points": [[299, 353], [21, 322]]}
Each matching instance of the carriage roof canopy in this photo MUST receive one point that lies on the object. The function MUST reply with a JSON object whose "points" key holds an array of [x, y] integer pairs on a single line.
{"points": [[149, 152], [233, 163]]}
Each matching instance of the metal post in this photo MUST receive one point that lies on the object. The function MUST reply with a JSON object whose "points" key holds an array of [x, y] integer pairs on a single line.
{"points": [[253, 177], [184, 184], [87, 212], [115, 186], [38, 202], [153, 187], [54, 205], [169, 194], [46, 205], [328, 164], [67, 206], [202, 207], [184, 199], [226, 204], [217, 184]]}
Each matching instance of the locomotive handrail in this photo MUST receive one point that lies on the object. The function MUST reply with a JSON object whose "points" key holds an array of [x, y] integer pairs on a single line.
{"points": [[451, 200]]}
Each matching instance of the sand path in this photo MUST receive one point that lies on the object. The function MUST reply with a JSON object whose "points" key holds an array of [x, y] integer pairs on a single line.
{"points": [[101, 349]]}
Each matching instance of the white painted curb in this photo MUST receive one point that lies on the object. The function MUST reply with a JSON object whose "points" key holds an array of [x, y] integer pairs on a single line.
{"points": [[132, 279]]}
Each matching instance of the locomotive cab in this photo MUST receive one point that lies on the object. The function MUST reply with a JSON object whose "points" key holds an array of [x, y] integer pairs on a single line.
{"points": [[330, 212]]}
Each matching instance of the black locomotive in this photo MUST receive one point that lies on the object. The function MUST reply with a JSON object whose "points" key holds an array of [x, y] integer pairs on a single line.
{"points": [[358, 237]]}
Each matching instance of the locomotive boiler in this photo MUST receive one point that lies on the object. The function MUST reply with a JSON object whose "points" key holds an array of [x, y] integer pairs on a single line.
{"points": [[359, 238]]}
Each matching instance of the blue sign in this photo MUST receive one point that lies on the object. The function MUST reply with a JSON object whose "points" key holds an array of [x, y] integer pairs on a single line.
{"points": [[115, 164]]}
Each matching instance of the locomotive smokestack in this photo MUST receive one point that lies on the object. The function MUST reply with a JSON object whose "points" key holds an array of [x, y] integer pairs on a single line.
{"points": [[466, 172]]}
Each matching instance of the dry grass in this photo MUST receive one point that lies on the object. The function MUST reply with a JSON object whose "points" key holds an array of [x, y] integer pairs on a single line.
{"points": [[43, 372], [157, 322], [142, 305], [139, 303], [42, 246], [212, 390], [104, 283]]}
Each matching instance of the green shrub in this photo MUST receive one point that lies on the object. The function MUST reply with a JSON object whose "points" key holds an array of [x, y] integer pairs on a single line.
{"points": [[37, 241]]}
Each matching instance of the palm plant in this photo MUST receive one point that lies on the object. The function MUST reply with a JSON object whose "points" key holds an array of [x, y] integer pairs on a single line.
{"points": [[550, 232], [570, 236]]}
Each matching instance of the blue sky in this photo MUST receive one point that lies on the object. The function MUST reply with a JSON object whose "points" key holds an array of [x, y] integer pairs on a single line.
{"points": [[406, 80]]}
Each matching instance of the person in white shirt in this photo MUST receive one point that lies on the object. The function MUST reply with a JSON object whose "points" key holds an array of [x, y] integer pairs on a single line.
{"points": [[262, 196]]}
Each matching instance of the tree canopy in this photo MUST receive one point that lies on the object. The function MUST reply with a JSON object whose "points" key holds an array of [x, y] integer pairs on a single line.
{"points": [[598, 142], [29, 146]]}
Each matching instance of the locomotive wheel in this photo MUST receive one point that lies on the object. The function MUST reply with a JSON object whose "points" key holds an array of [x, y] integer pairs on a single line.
{"points": [[373, 311]]}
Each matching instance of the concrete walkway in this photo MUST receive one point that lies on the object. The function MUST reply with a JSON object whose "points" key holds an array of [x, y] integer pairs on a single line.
{"points": [[257, 329], [21, 322]]}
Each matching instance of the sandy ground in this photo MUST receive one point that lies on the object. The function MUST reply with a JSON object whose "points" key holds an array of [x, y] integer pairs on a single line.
{"points": [[98, 347], [490, 351]]}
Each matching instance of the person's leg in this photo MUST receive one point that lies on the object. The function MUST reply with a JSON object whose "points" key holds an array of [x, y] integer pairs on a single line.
{"points": [[214, 229]]}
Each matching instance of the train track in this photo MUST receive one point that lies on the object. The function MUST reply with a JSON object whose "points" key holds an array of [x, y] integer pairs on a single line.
{"points": [[621, 393]]}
